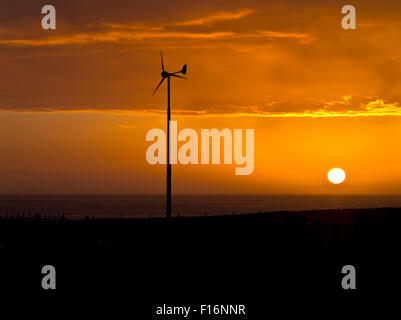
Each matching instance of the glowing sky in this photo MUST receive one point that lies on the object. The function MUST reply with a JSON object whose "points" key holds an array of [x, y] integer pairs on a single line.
{"points": [[76, 102]]}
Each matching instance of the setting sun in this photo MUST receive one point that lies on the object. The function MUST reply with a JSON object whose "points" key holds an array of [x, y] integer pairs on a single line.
{"points": [[336, 176]]}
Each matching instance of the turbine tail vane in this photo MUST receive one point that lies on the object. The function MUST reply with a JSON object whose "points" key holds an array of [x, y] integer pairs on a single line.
{"points": [[184, 69]]}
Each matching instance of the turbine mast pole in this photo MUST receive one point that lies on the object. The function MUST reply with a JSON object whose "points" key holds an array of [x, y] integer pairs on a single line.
{"points": [[168, 200]]}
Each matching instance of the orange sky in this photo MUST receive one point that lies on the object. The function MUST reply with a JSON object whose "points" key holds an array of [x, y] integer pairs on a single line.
{"points": [[76, 102]]}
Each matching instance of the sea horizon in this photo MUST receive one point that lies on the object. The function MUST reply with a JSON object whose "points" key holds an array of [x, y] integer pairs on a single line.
{"points": [[77, 206]]}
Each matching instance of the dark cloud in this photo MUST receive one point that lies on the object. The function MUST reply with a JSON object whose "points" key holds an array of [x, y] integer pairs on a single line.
{"points": [[267, 58]]}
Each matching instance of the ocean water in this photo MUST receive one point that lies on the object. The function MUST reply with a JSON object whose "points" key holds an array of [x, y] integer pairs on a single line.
{"points": [[143, 206]]}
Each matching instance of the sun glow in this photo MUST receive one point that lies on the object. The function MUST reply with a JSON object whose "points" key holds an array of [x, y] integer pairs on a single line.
{"points": [[336, 176]]}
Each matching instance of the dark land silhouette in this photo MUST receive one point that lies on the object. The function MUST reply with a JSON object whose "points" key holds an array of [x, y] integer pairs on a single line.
{"points": [[259, 259]]}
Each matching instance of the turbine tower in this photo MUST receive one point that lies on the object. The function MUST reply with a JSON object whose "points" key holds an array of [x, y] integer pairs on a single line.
{"points": [[167, 75]]}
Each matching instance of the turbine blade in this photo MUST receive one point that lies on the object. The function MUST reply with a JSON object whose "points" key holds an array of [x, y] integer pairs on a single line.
{"points": [[161, 81], [174, 75], [161, 56]]}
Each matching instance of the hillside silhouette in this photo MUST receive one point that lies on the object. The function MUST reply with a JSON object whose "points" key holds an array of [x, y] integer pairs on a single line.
{"points": [[219, 259]]}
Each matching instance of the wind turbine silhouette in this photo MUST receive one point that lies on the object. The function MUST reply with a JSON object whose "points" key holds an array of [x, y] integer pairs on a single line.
{"points": [[167, 75]]}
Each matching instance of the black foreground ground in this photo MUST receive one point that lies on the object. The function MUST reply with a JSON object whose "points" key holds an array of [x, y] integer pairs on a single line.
{"points": [[271, 262]]}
